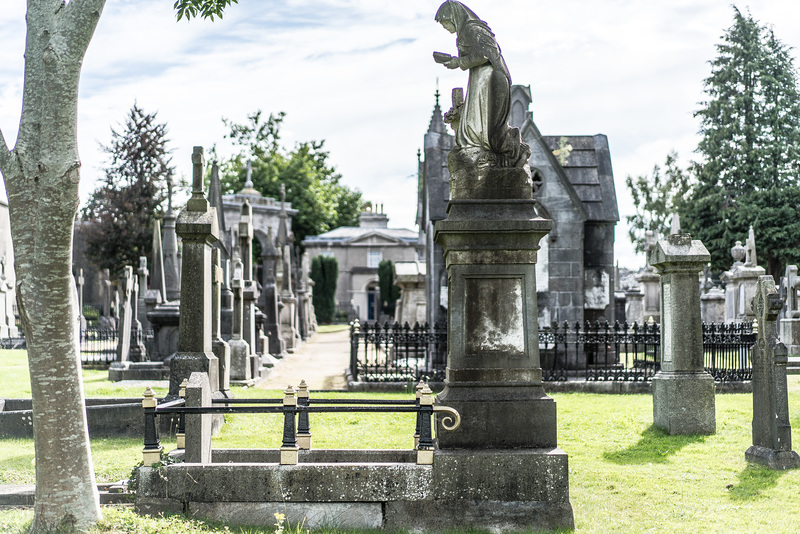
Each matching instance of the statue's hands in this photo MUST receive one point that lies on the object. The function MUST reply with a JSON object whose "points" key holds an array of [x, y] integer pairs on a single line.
{"points": [[452, 63]]}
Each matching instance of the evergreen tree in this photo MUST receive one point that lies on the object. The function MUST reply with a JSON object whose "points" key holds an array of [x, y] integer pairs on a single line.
{"points": [[313, 187], [120, 213], [389, 292], [325, 274], [656, 198], [750, 149]]}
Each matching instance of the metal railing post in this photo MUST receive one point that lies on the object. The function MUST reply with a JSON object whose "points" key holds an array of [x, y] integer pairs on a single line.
{"points": [[289, 448], [180, 435], [418, 392], [151, 454], [303, 423], [354, 330], [425, 447]]}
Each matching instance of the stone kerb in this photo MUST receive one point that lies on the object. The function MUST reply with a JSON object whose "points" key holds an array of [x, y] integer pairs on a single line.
{"points": [[772, 430], [683, 392]]}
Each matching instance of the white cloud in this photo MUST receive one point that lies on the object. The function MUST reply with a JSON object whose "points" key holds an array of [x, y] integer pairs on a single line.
{"points": [[359, 74]]}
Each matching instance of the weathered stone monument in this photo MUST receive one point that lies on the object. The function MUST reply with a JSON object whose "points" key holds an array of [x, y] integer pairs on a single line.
{"points": [[741, 279], [683, 392], [790, 318], [772, 430], [219, 346], [648, 281], [197, 227], [490, 239], [240, 370]]}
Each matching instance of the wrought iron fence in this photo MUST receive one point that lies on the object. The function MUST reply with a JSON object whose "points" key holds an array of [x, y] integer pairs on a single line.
{"points": [[99, 345], [398, 353], [590, 351]]}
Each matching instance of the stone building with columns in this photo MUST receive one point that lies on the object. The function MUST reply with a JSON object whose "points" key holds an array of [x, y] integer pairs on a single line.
{"points": [[574, 186], [358, 251]]}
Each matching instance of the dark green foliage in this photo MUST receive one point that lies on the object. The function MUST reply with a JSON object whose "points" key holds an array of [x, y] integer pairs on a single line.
{"points": [[208, 9], [312, 186], [120, 213], [325, 274], [656, 198], [389, 292], [750, 150]]}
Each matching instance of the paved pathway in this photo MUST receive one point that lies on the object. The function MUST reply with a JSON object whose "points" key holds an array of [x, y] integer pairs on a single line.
{"points": [[321, 361]]}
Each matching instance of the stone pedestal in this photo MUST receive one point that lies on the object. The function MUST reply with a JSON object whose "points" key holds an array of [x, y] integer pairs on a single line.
{"points": [[649, 283], [494, 377], [712, 306], [198, 228], [772, 430], [240, 350], [790, 335], [634, 306], [683, 393]]}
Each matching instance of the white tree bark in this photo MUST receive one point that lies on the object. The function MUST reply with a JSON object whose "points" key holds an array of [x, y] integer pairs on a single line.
{"points": [[41, 175]]}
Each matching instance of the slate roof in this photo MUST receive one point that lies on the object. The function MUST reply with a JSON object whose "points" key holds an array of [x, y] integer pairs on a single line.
{"points": [[588, 169], [348, 234]]}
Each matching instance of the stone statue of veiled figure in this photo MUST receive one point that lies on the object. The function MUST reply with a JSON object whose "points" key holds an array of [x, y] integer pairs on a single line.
{"points": [[481, 121]]}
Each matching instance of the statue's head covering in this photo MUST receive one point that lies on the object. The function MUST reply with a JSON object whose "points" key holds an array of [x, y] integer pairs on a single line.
{"points": [[456, 13]]}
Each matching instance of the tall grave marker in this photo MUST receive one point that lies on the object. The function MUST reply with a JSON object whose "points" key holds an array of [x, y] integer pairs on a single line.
{"points": [[197, 227], [683, 392], [772, 431], [504, 455]]}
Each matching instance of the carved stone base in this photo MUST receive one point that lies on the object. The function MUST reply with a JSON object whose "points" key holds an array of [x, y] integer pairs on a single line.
{"points": [[683, 402], [771, 458]]}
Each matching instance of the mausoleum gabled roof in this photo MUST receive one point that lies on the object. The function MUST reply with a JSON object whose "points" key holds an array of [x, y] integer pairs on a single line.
{"points": [[588, 169], [586, 174]]}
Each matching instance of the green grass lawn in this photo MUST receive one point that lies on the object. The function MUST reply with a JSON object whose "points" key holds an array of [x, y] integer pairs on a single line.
{"points": [[625, 476]]}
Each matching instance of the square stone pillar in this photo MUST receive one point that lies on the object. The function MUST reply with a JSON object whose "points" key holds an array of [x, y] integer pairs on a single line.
{"points": [[683, 392], [198, 229], [494, 377], [219, 346]]}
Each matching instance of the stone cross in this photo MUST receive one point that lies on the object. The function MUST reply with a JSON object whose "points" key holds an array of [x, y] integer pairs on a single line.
{"points": [[772, 432], [124, 343], [248, 184]]}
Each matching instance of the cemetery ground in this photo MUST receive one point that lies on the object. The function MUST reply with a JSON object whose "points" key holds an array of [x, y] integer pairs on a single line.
{"points": [[625, 476]]}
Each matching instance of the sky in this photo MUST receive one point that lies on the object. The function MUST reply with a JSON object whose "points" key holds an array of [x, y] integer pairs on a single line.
{"points": [[359, 74]]}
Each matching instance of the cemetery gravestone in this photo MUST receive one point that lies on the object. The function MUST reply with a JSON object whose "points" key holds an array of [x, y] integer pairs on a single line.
{"points": [[772, 431], [197, 227], [683, 392]]}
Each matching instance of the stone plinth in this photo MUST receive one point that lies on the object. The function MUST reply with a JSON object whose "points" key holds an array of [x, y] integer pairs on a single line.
{"points": [[634, 306], [790, 335], [740, 288], [712, 306], [649, 283], [772, 430], [683, 393], [198, 229], [490, 239]]}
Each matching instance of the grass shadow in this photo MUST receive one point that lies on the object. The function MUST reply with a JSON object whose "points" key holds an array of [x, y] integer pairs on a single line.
{"points": [[655, 446], [753, 480]]}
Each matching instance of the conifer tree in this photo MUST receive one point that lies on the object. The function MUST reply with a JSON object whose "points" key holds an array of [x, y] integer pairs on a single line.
{"points": [[120, 213], [750, 149]]}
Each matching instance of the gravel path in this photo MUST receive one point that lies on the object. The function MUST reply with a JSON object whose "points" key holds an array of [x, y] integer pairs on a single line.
{"points": [[321, 361]]}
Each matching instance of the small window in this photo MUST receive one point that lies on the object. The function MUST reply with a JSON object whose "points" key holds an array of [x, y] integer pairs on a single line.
{"points": [[374, 258]]}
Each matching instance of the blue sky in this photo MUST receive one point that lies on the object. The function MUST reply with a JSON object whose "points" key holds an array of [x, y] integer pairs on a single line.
{"points": [[359, 74]]}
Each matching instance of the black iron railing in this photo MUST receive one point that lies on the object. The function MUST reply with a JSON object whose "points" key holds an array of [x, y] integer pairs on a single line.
{"points": [[398, 353], [99, 345], [296, 406], [590, 351]]}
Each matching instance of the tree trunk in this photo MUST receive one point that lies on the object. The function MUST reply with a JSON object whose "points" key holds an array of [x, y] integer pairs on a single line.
{"points": [[41, 176]]}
